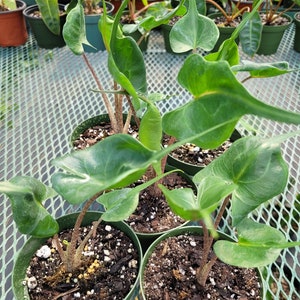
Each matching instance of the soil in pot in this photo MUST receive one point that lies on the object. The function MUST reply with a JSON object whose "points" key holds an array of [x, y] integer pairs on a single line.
{"points": [[170, 274], [98, 132], [110, 268], [153, 214], [194, 155]]}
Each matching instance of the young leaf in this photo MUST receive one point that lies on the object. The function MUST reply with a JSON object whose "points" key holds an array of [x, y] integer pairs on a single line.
{"points": [[250, 35], [254, 167], [150, 131], [216, 102], [263, 70], [26, 195], [74, 30], [114, 162], [126, 62], [190, 207], [258, 245], [50, 14], [228, 51], [159, 13], [120, 204], [190, 32]]}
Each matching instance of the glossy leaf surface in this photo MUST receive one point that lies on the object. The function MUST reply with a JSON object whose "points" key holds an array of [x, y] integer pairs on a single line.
{"points": [[114, 162], [26, 195], [258, 245], [215, 102], [256, 169], [250, 35], [190, 32]]}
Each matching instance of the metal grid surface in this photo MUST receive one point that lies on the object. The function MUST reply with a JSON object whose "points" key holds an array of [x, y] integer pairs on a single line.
{"points": [[46, 93]]}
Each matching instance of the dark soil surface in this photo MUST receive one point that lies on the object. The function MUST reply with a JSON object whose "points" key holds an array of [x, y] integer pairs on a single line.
{"points": [[96, 133], [170, 274], [194, 155], [153, 213], [221, 21], [110, 268]]}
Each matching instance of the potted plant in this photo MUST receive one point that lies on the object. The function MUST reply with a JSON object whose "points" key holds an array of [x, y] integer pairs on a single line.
{"points": [[297, 32], [13, 28], [227, 18], [275, 22], [46, 19], [27, 195]]}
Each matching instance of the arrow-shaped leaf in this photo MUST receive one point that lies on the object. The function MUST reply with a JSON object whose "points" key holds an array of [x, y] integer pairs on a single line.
{"points": [[26, 195], [258, 245], [114, 162], [218, 98]]}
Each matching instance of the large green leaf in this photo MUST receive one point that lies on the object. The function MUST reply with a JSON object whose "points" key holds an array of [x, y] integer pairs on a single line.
{"points": [[258, 245], [218, 98], [250, 35], [74, 30], [50, 14], [256, 169], [26, 195], [262, 70], [114, 162], [190, 32]]}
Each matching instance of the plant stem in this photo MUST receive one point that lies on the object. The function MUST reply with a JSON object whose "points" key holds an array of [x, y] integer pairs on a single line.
{"points": [[71, 249], [206, 264], [104, 96]]}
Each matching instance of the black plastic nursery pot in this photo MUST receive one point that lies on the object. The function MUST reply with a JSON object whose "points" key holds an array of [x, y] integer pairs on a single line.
{"points": [[44, 37], [191, 230], [272, 36], [93, 33], [13, 27], [66, 222], [297, 32]]}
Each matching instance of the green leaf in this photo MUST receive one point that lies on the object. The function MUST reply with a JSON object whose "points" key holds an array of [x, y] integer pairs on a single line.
{"points": [[50, 14], [26, 195], [74, 30], [254, 167], [216, 102], [150, 131], [228, 51], [182, 202], [190, 32], [119, 204], [190, 207], [258, 245], [262, 70], [126, 62], [112, 163], [159, 13], [250, 35]]}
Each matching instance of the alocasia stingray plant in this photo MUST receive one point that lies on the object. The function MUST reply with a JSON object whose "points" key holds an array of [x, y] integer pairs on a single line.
{"points": [[250, 173]]}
